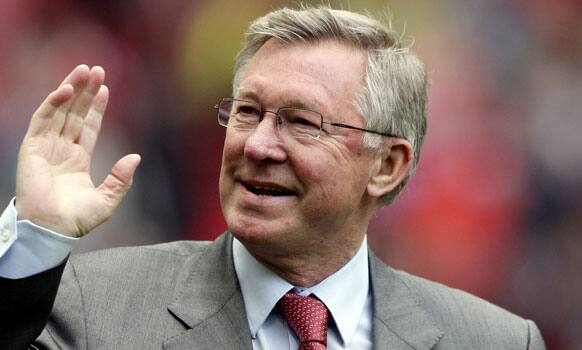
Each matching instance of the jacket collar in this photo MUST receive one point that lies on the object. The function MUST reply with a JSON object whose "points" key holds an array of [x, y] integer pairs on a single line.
{"points": [[207, 300], [399, 322], [209, 303]]}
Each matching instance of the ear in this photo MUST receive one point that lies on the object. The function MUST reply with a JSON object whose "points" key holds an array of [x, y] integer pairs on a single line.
{"points": [[392, 165]]}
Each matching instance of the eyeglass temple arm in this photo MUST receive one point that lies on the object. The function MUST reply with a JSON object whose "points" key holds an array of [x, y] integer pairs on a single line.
{"points": [[349, 127], [365, 130]]}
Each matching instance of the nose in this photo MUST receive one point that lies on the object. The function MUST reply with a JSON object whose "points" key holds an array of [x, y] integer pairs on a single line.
{"points": [[264, 144]]}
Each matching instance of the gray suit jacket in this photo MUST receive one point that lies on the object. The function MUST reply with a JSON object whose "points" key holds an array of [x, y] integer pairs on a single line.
{"points": [[185, 295]]}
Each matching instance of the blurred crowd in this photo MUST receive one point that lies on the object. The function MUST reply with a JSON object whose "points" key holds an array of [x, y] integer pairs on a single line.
{"points": [[495, 207]]}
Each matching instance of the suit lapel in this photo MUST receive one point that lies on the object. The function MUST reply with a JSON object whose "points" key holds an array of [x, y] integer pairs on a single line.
{"points": [[209, 303], [399, 321]]}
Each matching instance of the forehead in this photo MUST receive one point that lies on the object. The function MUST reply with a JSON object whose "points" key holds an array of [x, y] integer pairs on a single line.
{"points": [[320, 75]]}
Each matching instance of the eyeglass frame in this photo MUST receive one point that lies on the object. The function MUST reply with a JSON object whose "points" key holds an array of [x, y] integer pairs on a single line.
{"points": [[277, 115]]}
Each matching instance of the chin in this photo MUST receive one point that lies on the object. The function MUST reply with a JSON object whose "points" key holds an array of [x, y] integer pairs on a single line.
{"points": [[251, 231]]}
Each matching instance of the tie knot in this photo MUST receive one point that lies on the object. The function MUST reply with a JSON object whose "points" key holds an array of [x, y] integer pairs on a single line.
{"points": [[307, 316]]}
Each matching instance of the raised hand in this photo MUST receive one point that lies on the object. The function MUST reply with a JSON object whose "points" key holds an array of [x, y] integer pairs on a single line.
{"points": [[53, 185]]}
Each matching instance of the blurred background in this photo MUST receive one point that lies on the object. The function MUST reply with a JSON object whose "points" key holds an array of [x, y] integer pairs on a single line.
{"points": [[495, 207]]}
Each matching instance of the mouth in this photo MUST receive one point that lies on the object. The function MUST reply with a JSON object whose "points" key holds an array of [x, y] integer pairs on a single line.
{"points": [[267, 190]]}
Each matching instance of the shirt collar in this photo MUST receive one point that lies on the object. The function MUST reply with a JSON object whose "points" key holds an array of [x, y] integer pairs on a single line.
{"points": [[344, 292]]}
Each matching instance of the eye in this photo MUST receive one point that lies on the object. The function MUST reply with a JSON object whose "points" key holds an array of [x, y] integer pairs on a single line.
{"points": [[301, 118], [301, 122], [249, 110], [245, 114]]}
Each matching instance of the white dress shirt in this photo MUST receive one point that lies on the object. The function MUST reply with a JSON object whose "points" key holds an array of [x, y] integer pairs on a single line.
{"points": [[27, 249], [346, 294]]}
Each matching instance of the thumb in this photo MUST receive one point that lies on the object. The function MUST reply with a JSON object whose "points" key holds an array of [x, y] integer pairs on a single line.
{"points": [[119, 179]]}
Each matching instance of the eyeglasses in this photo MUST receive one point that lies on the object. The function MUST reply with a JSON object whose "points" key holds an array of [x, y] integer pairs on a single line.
{"points": [[246, 115]]}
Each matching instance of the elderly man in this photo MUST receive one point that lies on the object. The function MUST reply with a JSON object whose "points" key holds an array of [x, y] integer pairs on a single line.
{"points": [[325, 126]]}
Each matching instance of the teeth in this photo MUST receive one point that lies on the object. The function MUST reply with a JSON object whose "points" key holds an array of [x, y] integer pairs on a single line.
{"points": [[269, 189], [260, 190]]}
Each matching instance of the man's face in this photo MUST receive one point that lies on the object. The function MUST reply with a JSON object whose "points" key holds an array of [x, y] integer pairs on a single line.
{"points": [[283, 195]]}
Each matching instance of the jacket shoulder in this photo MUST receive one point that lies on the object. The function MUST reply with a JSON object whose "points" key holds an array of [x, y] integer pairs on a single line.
{"points": [[177, 248], [136, 255], [467, 320], [126, 268], [450, 300], [101, 290]]}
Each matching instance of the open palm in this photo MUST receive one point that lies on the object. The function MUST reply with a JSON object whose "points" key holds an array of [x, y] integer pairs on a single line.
{"points": [[53, 185]]}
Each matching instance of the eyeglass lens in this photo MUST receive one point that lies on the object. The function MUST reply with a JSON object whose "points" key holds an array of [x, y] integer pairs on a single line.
{"points": [[246, 115]]}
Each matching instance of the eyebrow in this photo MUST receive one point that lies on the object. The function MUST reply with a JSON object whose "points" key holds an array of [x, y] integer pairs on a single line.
{"points": [[288, 101], [246, 92]]}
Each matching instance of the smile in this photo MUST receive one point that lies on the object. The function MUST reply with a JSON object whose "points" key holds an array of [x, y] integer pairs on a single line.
{"points": [[268, 190]]}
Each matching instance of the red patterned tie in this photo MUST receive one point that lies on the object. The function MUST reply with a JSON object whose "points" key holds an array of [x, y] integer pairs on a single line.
{"points": [[307, 316]]}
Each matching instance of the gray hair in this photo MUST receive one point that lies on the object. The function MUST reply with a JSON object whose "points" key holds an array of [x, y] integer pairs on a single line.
{"points": [[394, 95]]}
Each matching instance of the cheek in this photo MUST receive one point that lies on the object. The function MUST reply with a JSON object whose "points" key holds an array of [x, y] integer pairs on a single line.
{"points": [[231, 155], [328, 173], [343, 161], [346, 170], [232, 151], [233, 144]]}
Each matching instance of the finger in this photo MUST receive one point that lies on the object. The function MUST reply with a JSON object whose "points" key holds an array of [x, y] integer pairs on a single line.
{"points": [[92, 124], [119, 180], [42, 118], [77, 79], [81, 103]]}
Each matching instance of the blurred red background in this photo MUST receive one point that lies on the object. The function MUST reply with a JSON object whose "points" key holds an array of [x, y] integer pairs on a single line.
{"points": [[495, 207]]}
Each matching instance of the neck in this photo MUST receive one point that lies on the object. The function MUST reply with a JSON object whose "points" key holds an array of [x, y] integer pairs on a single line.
{"points": [[307, 270], [304, 259]]}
